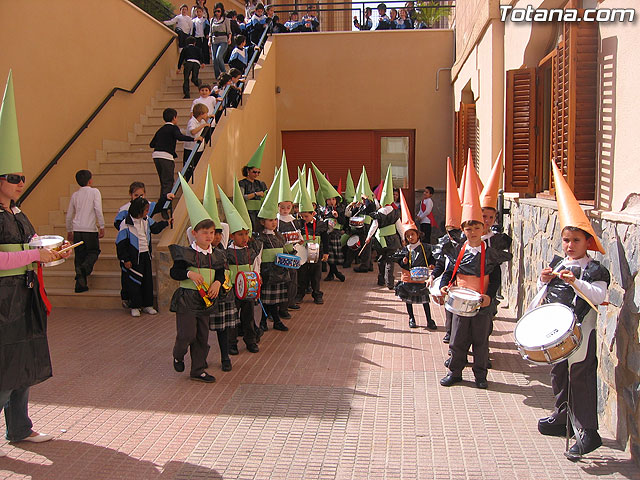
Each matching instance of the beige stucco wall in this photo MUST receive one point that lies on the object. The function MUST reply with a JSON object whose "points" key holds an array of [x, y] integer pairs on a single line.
{"points": [[62, 74], [367, 80]]}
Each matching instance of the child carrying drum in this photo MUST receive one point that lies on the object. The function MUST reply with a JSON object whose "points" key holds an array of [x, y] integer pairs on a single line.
{"points": [[414, 259], [567, 280], [275, 278], [477, 271]]}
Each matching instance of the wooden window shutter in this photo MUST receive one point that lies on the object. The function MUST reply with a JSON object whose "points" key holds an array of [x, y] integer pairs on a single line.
{"points": [[574, 107], [520, 137], [465, 137]]}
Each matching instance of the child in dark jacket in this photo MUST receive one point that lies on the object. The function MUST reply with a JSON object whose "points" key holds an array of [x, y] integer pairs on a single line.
{"points": [[133, 245], [191, 58]]}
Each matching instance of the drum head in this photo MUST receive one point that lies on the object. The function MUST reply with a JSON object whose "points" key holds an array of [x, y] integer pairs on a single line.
{"points": [[544, 325], [301, 251], [47, 241], [464, 293], [353, 240], [240, 285]]}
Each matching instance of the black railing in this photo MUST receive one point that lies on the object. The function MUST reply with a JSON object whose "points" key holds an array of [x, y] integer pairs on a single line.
{"points": [[84, 126], [218, 110], [438, 11]]}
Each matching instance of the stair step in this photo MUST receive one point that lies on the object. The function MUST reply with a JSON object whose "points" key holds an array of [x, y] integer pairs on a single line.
{"points": [[107, 261], [108, 179], [97, 280], [121, 190], [93, 299]]}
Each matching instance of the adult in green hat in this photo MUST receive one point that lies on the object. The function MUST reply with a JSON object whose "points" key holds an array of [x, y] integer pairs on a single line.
{"points": [[384, 234], [251, 188], [24, 350]]}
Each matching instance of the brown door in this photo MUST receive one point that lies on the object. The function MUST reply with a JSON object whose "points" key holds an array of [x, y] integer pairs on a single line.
{"points": [[397, 148]]}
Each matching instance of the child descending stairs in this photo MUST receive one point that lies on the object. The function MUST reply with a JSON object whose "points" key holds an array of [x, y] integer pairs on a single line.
{"points": [[114, 168]]}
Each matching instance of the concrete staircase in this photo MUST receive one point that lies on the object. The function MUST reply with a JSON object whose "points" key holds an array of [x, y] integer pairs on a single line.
{"points": [[114, 168]]}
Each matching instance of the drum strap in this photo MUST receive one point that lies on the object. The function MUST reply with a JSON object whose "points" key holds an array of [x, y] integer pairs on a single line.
{"points": [[459, 259], [306, 231], [425, 257]]}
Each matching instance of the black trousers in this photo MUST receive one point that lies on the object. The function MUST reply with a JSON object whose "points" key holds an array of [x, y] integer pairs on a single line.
{"points": [[309, 273], [201, 43], [86, 255], [425, 228], [190, 69], [192, 333], [196, 158], [165, 170], [247, 322], [583, 383], [471, 331], [386, 267], [365, 256], [138, 283], [182, 38], [448, 319], [292, 290]]}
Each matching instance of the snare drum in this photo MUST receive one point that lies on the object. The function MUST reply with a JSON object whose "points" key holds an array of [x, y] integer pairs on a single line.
{"points": [[419, 274], [248, 285], [548, 334], [356, 222], [463, 301], [354, 242], [313, 252], [52, 242], [287, 261]]}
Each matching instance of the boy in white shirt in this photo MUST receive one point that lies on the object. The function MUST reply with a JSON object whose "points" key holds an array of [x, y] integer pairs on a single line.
{"points": [[425, 215], [184, 25], [195, 128], [85, 223], [205, 97]]}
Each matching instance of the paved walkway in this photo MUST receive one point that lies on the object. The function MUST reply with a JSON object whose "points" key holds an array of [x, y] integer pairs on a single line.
{"points": [[348, 393]]}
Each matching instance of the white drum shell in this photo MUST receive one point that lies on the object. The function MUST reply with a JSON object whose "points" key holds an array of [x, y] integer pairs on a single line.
{"points": [[51, 242], [463, 301], [313, 252]]}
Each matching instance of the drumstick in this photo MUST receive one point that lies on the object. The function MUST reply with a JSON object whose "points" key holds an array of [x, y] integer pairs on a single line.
{"points": [[365, 246], [578, 291], [70, 247]]}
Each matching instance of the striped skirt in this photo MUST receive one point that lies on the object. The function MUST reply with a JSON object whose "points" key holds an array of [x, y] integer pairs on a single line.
{"points": [[274, 293], [225, 314], [412, 293], [336, 255]]}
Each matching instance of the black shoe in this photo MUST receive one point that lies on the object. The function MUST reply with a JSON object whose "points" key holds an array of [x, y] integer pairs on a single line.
{"points": [[381, 282], [263, 325], [253, 348], [294, 307], [431, 325], [412, 323], [80, 289], [329, 278], [360, 270], [590, 441], [285, 315], [178, 365], [186, 96], [447, 362], [552, 427], [340, 276], [309, 290], [482, 384], [280, 326], [450, 380], [226, 365], [318, 301], [346, 265], [446, 338], [391, 286], [204, 377], [233, 350]]}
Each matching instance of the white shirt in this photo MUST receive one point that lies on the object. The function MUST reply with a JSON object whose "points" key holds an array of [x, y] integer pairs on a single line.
{"points": [[474, 250], [428, 206], [140, 227], [197, 248], [209, 101], [85, 210], [191, 125], [183, 22], [198, 24]]}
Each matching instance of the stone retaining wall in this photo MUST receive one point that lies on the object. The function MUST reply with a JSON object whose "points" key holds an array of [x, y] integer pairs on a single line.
{"points": [[536, 238]]}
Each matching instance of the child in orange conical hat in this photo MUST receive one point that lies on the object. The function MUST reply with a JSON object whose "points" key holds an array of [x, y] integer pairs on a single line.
{"points": [[567, 280], [477, 271], [414, 259]]}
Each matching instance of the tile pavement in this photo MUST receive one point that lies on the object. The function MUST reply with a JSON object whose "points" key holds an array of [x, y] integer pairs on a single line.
{"points": [[348, 393]]}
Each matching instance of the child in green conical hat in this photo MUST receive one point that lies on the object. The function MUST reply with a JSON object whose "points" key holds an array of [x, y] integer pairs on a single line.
{"points": [[250, 188], [275, 279], [241, 258], [200, 269]]}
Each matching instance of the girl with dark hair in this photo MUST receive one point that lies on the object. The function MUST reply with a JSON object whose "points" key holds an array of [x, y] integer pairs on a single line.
{"points": [[220, 38]]}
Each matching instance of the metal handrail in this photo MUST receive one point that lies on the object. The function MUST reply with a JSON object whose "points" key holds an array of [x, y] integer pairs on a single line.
{"points": [[84, 126], [220, 105]]}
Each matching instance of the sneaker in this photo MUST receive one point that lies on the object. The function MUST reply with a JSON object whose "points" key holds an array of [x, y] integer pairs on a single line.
{"points": [[150, 310], [38, 438], [204, 377], [178, 365], [135, 312]]}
